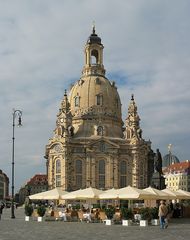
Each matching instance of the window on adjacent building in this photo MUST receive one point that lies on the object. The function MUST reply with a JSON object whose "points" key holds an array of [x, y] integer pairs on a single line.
{"points": [[101, 173]]}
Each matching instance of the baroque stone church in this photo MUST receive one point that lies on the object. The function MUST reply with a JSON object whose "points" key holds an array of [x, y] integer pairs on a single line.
{"points": [[91, 145]]}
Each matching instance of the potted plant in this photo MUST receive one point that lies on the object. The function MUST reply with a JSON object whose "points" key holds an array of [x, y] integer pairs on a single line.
{"points": [[28, 211], [127, 215], [154, 216], [109, 213], [145, 216], [41, 212]]}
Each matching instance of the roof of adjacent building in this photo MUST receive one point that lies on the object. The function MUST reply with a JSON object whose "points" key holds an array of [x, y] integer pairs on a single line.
{"points": [[182, 167], [38, 179], [5, 175]]}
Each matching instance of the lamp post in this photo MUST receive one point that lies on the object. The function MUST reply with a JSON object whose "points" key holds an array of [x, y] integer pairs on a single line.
{"points": [[16, 113]]}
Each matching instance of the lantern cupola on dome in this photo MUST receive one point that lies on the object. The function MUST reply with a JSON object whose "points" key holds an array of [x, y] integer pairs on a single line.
{"points": [[94, 37]]}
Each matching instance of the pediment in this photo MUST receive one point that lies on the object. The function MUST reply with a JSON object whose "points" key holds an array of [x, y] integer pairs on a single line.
{"points": [[103, 145], [56, 147]]}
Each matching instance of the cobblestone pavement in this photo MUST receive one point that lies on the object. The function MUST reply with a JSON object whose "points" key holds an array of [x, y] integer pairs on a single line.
{"points": [[18, 229]]}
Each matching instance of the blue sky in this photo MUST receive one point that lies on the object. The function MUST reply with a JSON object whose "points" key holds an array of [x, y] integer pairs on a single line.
{"points": [[41, 53]]}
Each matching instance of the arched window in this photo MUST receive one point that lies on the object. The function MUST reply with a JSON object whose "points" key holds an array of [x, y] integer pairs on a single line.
{"points": [[101, 173], [57, 173], [78, 166], [99, 100], [100, 131], [117, 102], [59, 131], [58, 166], [97, 81], [77, 101], [123, 174], [58, 181], [123, 168], [94, 57]]}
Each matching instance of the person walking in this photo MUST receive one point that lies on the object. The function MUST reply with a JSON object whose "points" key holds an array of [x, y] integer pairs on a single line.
{"points": [[170, 208], [1, 209], [162, 213]]}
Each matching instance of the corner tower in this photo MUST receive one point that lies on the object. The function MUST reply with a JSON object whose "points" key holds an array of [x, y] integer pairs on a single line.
{"points": [[133, 130]]}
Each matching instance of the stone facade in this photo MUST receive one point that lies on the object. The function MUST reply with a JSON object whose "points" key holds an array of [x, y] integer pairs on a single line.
{"points": [[4, 186], [90, 145]]}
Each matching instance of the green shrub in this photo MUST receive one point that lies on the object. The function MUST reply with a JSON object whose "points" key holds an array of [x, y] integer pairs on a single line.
{"points": [[41, 210], [126, 213], [77, 207], [154, 213], [109, 212], [145, 213], [97, 205], [28, 210]]}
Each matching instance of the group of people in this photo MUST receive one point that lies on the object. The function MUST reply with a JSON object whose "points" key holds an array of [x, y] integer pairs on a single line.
{"points": [[68, 214], [71, 214]]}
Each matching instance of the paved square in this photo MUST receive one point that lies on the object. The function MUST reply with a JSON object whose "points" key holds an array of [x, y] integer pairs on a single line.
{"points": [[18, 229]]}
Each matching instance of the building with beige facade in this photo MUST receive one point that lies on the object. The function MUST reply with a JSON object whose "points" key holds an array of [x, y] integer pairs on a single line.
{"points": [[91, 145], [38, 183], [177, 176], [4, 186]]}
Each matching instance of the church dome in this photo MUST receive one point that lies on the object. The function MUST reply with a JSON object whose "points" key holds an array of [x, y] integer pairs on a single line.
{"points": [[169, 159], [95, 95], [94, 100]]}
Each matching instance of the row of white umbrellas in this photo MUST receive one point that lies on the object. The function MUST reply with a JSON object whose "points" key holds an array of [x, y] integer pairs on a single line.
{"points": [[129, 193]]}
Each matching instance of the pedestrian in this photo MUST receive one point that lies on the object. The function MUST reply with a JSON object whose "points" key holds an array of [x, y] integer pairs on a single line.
{"points": [[162, 213], [171, 207], [1, 209], [176, 213]]}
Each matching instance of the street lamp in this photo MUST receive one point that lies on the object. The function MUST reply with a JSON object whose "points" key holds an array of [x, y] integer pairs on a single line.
{"points": [[16, 113]]}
